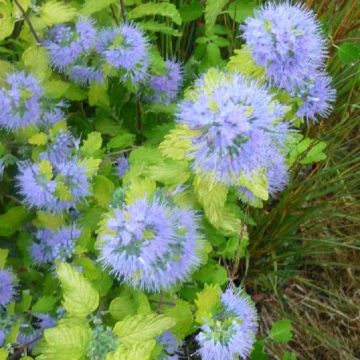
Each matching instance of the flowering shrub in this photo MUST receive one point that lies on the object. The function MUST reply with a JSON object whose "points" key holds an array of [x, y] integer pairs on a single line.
{"points": [[124, 179]]}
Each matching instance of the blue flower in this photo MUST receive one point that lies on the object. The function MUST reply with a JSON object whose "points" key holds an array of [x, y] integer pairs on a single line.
{"points": [[171, 346], [45, 321], [232, 331], [60, 190], [7, 287], [22, 104], [150, 244], [286, 40], [317, 97], [126, 49], [165, 88], [54, 244], [236, 125], [122, 166], [85, 75], [66, 44]]}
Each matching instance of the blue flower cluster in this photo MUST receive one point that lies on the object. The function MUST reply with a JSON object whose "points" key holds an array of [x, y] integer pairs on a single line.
{"points": [[51, 245], [150, 244], [58, 181], [82, 51], [7, 287], [287, 41], [23, 103], [232, 330], [165, 88], [238, 129]]}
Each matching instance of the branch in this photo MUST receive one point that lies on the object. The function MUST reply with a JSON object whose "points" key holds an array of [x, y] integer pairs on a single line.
{"points": [[27, 20]]}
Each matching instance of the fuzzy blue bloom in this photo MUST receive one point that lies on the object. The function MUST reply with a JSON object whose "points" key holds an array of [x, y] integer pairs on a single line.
{"points": [[317, 97], [60, 148], [45, 321], [84, 75], [122, 166], [7, 288], [150, 244], [66, 44], [171, 346], [236, 123], [165, 88], [2, 337], [233, 328], [28, 335], [286, 40], [51, 245], [20, 102], [126, 49]]}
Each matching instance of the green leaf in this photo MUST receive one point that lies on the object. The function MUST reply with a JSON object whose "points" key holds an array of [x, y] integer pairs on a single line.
{"points": [[139, 328], [3, 257], [349, 53], [44, 304], [91, 144], [3, 354], [281, 331], [153, 9], [289, 356], [191, 12], [213, 53], [38, 139], [103, 189], [243, 63], [258, 351], [212, 274], [93, 6], [207, 303], [98, 95], [68, 340], [55, 88], [239, 10], [122, 306], [12, 220], [182, 314], [6, 20], [315, 154], [212, 10], [49, 220], [256, 183], [170, 172], [139, 351], [56, 12], [80, 297], [121, 141], [155, 26], [36, 61]]}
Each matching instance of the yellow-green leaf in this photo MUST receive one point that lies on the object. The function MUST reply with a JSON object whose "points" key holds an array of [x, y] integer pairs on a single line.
{"points": [[91, 144], [38, 139], [79, 296], [207, 303], [57, 12], [36, 61]]}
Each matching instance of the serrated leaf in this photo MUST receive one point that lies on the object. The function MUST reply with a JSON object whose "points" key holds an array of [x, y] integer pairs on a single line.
{"points": [[56, 12], [55, 88], [170, 172], [91, 144], [69, 340], [212, 10], [154, 9], [24, 4], [207, 302], [213, 54], [139, 351], [281, 331], [243, 63], [91, 165], [121, 141], [177, 145], [49, 220], [182, 314], [139, 328], [38, 139], [12, 220], [103, 189], [211, 274], [93, 6], [36, 61], [349, 53], [80, 297], [98, 95], [140, 188], [145, 155], [256, 183]]}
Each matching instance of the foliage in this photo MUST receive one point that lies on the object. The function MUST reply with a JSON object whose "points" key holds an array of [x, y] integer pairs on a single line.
{"points": [[150, 167]]}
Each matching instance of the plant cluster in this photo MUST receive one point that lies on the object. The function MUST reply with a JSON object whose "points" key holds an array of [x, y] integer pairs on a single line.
{"points": [[134, 193]]}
